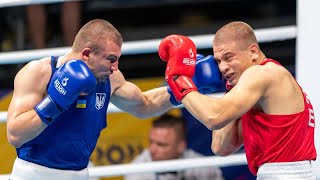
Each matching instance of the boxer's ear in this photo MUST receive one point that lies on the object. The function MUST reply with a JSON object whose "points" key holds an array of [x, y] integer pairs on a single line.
{"points": [[86, 53]]}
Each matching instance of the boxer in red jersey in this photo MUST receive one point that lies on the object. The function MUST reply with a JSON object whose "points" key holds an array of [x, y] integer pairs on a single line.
{"points": [[265, 110]]}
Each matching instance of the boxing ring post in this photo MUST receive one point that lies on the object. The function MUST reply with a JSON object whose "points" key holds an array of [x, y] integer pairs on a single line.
{"points": [[308, 62]]}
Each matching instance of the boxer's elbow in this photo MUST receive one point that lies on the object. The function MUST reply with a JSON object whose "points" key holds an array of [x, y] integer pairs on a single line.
{"points": [[214, 122], [224, 148], [213, 117], [14, 140], [220, 151]]}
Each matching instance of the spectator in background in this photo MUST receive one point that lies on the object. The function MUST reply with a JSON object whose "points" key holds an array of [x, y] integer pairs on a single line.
{"points": [[167, 141], [37, 22]]}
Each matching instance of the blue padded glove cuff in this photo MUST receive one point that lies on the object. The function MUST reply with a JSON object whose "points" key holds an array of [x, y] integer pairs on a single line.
{"points": [[48, 110], [172, 98]]}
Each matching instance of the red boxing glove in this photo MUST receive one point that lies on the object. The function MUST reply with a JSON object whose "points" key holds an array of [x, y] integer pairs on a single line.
{"points": [[180, 53]]}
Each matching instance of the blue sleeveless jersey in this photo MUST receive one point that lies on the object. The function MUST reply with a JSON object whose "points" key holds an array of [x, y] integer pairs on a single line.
{"points": [[70, 140]]}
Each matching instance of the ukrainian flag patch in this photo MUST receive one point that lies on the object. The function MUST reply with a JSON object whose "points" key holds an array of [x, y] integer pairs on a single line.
{"points": [[81, 103]]}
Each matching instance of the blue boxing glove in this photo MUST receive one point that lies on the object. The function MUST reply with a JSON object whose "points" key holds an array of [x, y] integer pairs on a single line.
{"points": [[172, 98], [66, 84], [208, 78]]}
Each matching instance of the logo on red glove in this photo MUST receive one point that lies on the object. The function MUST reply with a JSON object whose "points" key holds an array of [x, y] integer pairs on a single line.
{"points": [[191, 53], [189, 61]]}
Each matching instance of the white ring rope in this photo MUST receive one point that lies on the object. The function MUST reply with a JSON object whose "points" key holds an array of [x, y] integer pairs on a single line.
{"points": [[10, 3], [168, 165], [148, 46], [3, 116], [163, 166]]}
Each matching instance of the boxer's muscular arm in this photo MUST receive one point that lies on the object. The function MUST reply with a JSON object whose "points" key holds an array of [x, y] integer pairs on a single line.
{"points": [[215, 113], [129, 97], [23, 123]]}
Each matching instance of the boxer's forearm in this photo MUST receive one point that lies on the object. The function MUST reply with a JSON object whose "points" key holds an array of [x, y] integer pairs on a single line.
{"points": [[227, 140], [24, 127]]}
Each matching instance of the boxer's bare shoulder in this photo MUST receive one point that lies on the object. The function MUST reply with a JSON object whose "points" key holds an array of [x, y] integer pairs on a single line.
{"points": [[35, 72]]}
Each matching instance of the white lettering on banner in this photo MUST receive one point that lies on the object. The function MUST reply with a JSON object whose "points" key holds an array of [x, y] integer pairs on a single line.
{"points": [[59, 88], [189, 62]]}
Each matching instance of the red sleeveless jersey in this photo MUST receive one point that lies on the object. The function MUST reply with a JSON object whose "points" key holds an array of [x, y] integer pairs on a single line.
{"points": [[278, 138]]}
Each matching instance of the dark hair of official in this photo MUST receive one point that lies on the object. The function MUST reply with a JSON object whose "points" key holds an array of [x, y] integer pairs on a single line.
{"points": [[169, 121]]}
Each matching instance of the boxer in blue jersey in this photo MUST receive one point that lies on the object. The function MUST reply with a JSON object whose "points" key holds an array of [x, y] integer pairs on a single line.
{"points": [[59, 105]]}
